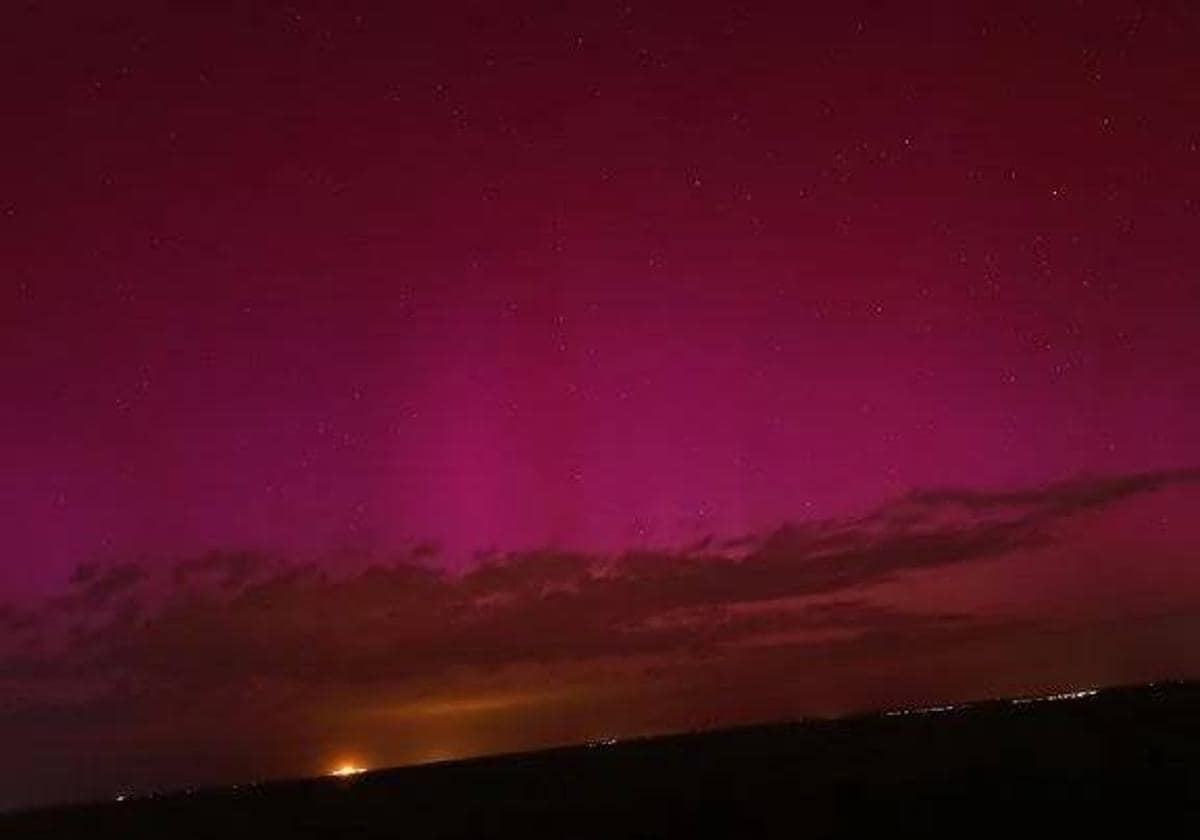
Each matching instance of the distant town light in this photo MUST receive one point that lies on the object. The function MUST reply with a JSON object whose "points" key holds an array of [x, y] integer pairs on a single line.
{"points": [[602, 742], [347, 770], [924, 710], [1066, 695]]}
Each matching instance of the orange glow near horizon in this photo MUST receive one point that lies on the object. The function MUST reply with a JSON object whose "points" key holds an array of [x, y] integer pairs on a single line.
{"points": [[344, 770]]}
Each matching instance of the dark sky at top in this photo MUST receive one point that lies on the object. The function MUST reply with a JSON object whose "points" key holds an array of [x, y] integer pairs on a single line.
{"points": [[398, 383]]}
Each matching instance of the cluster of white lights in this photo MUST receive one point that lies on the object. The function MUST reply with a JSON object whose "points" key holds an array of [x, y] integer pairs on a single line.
{"points": [[927, 710], [1048, 698], [602, 742], [1066, 695]]}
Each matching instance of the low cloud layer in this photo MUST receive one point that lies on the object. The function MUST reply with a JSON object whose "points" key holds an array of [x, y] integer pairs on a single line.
{"points": [[236, 636]]}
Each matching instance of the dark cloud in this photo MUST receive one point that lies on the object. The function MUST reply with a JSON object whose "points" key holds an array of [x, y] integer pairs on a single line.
{"points": [[1059, 499], [96, 585], [226, 618], [195, 655], [228, 569]]}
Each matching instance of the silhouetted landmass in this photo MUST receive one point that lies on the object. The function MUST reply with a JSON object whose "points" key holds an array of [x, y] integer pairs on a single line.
{"points": [[1122, 759]]}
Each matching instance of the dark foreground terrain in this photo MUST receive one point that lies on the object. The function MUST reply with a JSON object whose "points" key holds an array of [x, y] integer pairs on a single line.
{"points": [[1125, 760]]}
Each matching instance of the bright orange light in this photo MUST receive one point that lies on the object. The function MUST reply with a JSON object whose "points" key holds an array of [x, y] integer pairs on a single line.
{"points": [[347, 770]]}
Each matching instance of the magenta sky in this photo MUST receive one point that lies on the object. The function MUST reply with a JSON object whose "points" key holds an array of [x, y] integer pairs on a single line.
{"points": [[327, 282]]}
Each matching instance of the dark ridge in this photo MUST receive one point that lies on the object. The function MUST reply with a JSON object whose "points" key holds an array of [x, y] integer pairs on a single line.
{"points": [[1126, 758]]}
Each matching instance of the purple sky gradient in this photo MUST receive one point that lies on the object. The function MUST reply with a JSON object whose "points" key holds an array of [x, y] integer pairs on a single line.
{"points": [[331, 281]]}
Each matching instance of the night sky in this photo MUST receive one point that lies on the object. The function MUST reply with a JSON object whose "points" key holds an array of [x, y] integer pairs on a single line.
{"points": [[385, 384]]}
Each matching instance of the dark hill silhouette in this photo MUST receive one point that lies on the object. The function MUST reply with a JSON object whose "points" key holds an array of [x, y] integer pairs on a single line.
{"points": [[1125, 759]]}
